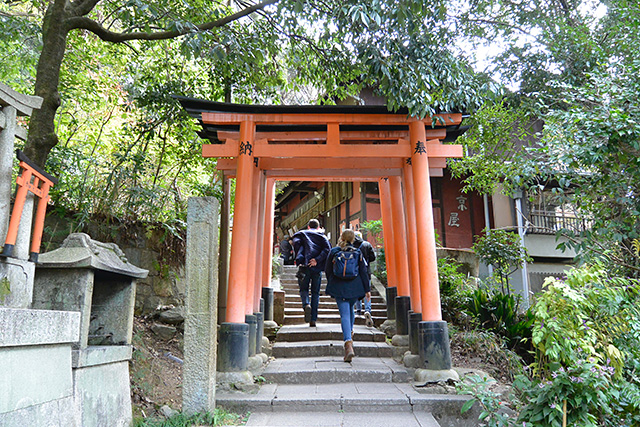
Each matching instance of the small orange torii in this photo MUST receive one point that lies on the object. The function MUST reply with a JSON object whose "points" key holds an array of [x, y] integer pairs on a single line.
{"points": [[260, 144], [31, 178]]}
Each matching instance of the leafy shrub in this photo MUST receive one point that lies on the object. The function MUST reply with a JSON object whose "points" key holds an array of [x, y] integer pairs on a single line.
{"points": [[503, 250], [492, 404], [587, 342], [454, 290], [500, 313]]}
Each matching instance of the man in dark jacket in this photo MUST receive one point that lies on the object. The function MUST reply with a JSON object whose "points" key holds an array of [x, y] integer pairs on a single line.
{"points": [[286, 250], [369, 255], [311, 248]]}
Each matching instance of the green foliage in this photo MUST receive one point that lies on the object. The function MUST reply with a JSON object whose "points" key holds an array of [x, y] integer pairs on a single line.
{"points": [[587, 345], [504, 251], [5, 288], [454, 289], [500, 313], [583, 386], [491, 403], [374, 228], [494, 162], [219, 417]]}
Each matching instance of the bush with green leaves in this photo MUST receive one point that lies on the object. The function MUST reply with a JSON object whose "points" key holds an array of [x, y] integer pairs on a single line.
{"points": [[500, 313], [493, 406], [454, 290], [504, 251], [586, 337]]}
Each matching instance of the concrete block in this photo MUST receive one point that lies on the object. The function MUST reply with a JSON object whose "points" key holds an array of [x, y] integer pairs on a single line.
{"points": [[17, 275], [101, 355], [103, 403], [34, 375], [55, 413], [33, 327]]}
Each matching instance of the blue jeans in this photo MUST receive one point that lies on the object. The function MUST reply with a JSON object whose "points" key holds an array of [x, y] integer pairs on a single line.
{"points": [[313, 278], [347, 316], [367, 305]]}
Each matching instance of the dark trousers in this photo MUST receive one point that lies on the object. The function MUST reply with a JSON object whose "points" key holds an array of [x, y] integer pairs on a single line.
{"points": [[314, 279]]}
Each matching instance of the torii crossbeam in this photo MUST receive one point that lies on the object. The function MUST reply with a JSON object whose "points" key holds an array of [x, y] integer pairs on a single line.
{"points": [[261, 144]]}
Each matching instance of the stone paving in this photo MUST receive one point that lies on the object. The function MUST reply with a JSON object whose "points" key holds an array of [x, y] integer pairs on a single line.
{"points": [[307, 384]]}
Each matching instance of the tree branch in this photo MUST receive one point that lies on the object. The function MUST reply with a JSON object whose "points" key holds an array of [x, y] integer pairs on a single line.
{"points": [[110, 36], [82, 7]]}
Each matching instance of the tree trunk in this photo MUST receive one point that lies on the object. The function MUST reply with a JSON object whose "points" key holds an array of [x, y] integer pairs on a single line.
{"points": [[42, 134]]}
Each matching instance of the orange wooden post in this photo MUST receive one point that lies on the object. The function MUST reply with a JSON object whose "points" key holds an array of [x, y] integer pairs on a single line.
{"points": [[412, 240], [16, 214], [399, 235], [261, 209], [252, 256], [38, 224], [430, 292], [238, 278], [387, 233], [267, 251]]}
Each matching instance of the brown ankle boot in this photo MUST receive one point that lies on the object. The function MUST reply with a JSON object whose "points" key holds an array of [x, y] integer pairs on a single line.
{"points": [[348, 351]]}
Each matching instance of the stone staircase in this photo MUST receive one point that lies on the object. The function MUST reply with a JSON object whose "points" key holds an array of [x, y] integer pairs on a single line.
{"points": [[327, 309], [308, 384]]}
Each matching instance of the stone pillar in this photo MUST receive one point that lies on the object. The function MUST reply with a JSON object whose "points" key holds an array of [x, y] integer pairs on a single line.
{"points": [[7, 135], [200, 334], [23, 242]]}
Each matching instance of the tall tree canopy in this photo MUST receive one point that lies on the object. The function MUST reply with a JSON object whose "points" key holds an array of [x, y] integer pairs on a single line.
{"points": [[107, 70], [110, 129], [577, 67]]}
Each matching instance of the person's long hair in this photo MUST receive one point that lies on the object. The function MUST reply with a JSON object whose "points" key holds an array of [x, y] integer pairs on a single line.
{"points": [[346, 238]]}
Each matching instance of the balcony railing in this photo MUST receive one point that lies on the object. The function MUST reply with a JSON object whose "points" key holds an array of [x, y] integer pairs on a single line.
{"points": [[551, 222]]}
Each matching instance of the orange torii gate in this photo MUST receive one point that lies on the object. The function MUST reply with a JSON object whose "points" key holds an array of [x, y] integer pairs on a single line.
{"points": [[261, 144]]}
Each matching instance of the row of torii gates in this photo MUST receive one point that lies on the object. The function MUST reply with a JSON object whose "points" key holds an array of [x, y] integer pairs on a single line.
{"points": [[259, 145]]}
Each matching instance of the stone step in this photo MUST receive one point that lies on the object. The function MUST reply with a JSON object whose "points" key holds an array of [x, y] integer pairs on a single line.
{"points": [[331, 304], [327, 332], [348, 404], [294, 319], [342, 417], [295, 297], [333, 370], [330, 348], [297, 311]]}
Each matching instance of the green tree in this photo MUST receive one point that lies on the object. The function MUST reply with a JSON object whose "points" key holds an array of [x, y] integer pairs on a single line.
{"points": [[401, 48], [577, 74]]}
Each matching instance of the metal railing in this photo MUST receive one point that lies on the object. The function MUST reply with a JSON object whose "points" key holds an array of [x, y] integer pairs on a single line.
{"points": [[551, 222]]}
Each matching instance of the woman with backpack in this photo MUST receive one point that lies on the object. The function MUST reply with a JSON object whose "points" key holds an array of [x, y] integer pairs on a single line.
{"points": [[347, 281]]}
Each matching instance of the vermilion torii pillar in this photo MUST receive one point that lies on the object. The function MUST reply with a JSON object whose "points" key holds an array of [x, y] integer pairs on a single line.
{"points": [[330, 143]]}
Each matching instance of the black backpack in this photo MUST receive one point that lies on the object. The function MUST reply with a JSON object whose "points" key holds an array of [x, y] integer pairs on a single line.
{"points": [[346, 263]]}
